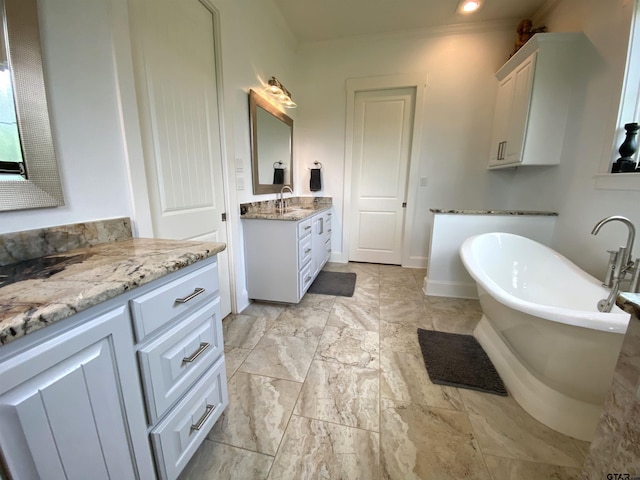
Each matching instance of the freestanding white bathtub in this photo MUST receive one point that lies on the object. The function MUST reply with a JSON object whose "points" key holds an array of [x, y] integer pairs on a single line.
{"points": [[542, 329]]}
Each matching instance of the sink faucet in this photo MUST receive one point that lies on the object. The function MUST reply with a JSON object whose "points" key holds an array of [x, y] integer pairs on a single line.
{"points": [[620, 264], [282, 205]]}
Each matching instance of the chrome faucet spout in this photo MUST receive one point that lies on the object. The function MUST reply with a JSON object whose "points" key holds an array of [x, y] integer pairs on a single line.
{"points": [[631, 236], [284, 187]]}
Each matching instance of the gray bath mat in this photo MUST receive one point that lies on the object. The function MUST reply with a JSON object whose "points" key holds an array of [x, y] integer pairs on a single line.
{"points": [[459, 361], [334, 283]]}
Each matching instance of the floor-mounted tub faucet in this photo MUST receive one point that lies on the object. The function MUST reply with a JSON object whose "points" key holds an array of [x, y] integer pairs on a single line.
{"points": [[620, 264]]}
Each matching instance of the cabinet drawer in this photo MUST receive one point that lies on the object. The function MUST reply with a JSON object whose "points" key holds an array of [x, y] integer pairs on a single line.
{"points": [[306, 278], [178, 436], [304, 251], [163, 304], [304, 228], [172, 362]]}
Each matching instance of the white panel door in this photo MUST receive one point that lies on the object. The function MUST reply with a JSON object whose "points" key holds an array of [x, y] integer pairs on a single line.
{"points": [[175, 66], [382, 133]]}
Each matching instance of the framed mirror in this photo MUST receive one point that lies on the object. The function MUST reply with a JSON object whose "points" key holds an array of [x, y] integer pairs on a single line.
{"points": [[29, 175], [271, 146]]}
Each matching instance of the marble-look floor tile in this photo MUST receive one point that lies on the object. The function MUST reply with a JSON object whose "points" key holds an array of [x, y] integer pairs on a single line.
{"points": [[233, 358], [362, 296], [370, 281], [404, 378], [341, 394], [312, 449], [408, 292], [264, 309], [351, 346], [336, 267], [406, 280], [400, 337], [504, 429], [396, 310], [419, 442], [356, 316], [364, 268], [510, 469], [609, 430], [258, 412], [315, 301], [213, 461], [463, 325], [244, 331], [300, 322], [281, 357]]}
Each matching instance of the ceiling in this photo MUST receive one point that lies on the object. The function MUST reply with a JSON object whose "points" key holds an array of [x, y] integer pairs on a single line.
{"points": [[318, 20]]}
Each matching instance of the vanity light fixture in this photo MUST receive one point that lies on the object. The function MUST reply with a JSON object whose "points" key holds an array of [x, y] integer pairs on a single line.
{"points": [[279, 91], [468, 6]]}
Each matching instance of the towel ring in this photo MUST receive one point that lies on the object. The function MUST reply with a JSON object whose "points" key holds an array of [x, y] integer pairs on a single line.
{"points": [[277, 164], [317, 164]]}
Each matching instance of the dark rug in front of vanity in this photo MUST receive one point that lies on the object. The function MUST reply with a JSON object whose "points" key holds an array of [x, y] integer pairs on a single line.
{"points": [[458, 361], [334, 283]]}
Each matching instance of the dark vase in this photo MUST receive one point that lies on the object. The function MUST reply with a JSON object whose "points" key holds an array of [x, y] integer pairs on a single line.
{"points": [[630, 145]]}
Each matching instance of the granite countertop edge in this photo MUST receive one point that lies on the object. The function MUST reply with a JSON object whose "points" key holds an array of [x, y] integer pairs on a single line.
{"points": [[293, 215], [630, 303], [106, 271], [493, 212]]}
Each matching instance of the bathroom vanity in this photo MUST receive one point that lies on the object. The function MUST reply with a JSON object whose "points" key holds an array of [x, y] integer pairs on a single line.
{"points": [[285, 250], [112, 363]]}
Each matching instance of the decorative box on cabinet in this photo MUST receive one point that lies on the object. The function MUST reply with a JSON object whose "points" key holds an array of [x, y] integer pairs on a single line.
{"points": [[283, 257], [533, 100]]}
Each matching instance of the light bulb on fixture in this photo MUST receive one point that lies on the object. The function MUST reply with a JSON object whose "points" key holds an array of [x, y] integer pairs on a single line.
{"points": [[279, 91], [468, 6]]}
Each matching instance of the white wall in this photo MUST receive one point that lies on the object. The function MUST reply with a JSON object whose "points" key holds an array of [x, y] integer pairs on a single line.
{"points": [[589, 141], [256, 45], [80, 80], [458, 114]]}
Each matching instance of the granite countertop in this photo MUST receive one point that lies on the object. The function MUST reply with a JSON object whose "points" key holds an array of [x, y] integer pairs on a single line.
{"points": [[493, 212], [40, 291], [630, 303], [299, 209]]}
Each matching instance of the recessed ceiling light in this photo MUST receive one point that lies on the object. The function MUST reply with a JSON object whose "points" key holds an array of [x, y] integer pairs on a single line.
{"points": [[468, 6]]}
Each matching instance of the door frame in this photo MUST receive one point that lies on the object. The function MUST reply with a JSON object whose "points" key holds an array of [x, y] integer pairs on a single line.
{"points": [[123, 41], [418, 81]]}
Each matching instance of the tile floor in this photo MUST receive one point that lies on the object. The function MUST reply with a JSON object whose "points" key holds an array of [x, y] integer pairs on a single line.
{"points": [[336, 388]]}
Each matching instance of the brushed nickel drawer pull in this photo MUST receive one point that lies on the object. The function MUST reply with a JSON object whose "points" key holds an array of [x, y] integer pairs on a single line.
{"points": [[307, 250], [308, 227], [202, 348], [195, 293], [207, 414], [307, 279]]}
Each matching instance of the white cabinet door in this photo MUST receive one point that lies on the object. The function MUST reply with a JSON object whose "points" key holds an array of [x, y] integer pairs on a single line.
{"points": [[519, 110], [63, 407], [511, 115]]}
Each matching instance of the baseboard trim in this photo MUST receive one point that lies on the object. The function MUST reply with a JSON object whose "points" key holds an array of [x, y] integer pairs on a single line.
{"points": [[449, 289]]}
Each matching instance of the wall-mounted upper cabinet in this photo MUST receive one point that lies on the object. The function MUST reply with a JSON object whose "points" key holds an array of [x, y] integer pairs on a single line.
{"points": [[532, 104]]}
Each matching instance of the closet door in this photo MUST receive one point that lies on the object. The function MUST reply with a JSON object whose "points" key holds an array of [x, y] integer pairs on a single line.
{"points": [[177, 88]]}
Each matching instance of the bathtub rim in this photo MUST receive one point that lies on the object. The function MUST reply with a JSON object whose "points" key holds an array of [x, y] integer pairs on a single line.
{"points": [[614, 322]]}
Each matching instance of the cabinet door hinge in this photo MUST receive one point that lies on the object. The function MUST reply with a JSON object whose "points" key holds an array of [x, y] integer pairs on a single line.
{"points": [[404, 204], [224, 217]]}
